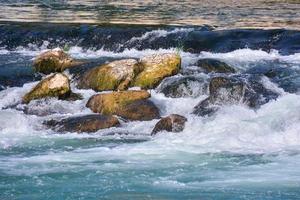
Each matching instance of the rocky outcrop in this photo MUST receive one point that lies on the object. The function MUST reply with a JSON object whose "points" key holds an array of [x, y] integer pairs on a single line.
{"points": [[172, 123], [188, 86], [55, 60], [132, 105], [116, 75], [88, 123], [155, 68], [212, 65], [56, 85]]}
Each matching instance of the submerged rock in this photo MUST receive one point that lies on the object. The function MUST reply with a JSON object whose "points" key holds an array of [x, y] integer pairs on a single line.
{"points": [[53, 86], [87, 123], [55, 60], [234, 90], [155, 68], [116, 75], [177, 87], [172, 123], [225, 90], [213, 65], [132, 105]]}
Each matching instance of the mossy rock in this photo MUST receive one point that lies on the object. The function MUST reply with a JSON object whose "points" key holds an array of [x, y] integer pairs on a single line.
{"points": [[213, 65], [132, 105], [116, 75], [54, 60], [53, 86], [155, 68]]}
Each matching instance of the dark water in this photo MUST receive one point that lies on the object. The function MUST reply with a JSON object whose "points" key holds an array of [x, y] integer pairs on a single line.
{"points": [[239, 153]]}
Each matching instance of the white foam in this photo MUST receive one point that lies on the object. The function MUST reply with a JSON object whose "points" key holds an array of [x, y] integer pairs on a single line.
{"points": [[152, 35]]}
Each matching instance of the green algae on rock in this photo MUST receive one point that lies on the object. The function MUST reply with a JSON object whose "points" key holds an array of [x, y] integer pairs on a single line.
{"points": [[53, 86], [156, 68], [55, 60], [116, 75]]}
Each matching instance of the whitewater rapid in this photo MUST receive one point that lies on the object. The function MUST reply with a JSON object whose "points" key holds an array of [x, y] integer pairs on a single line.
{"points": [[238, 147]]}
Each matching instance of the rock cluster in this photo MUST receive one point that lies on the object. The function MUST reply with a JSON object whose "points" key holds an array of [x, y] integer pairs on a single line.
{"points": [[116, 77], [220, 83]]}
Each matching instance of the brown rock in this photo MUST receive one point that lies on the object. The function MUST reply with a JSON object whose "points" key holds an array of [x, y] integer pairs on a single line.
{"points": [[132, 105], [53, 86], [87, 123], [172, 123], [55, 60]]}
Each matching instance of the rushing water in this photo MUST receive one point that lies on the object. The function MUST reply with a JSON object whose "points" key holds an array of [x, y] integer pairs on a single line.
{"points": [[238, 153]]}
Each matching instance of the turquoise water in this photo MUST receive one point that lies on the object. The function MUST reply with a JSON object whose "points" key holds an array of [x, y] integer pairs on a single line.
{"points": [[238, 153]]}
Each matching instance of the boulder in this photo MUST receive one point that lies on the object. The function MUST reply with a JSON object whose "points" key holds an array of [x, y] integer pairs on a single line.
{"points": [[116, 75], [172, 123], [132, 105], [213, 65], [246, 90], [155, 68], [188, 86], [55, 85], [87, 123], [222, 91], [225, 90], [55, 60], [142, 110]]}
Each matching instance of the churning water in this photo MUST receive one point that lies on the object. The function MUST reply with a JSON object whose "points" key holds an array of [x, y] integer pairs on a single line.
{"points": [[238, 153]]}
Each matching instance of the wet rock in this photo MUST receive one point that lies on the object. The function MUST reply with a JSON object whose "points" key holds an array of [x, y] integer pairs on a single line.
{"points": [[225, 90], [55, 60], [222, 91], [53, 86], [132, 105], [88, 123], [156, 68], [234, 90], [256, 94], [71, 96], [172, 123], [205, 108], [213, 65], [116, 75], [142, 110], [177, 87]]}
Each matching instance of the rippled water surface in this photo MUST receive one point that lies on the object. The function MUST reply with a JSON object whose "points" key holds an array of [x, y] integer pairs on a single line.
{"points": [[239, 153], [222, 14]]}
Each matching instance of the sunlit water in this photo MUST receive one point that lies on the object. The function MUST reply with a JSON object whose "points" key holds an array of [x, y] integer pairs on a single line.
{"points": [[239, 153], [222, 14]]}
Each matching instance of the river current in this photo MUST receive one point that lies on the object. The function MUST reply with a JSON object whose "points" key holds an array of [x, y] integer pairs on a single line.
{"points": [[238, 153]]}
